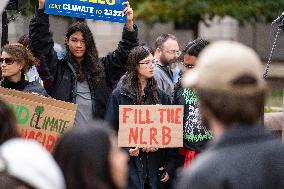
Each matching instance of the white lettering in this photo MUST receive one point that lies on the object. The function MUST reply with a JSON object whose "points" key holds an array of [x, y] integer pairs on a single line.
{"points": [[65, 6], [91, 9], [77, 8]]}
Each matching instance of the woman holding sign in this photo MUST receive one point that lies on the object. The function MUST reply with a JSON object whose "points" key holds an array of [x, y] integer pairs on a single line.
{"points": [[148, 167], [80, 77]]}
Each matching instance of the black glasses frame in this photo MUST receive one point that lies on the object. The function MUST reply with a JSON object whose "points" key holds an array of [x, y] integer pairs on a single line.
{"points": [[8, 61], [189, 66], [154, 62]]}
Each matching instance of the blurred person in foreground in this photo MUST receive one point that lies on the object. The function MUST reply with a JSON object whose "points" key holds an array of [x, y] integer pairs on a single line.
{"points": [[90, 158], [8, 123], [25, 164], [231, 90]]}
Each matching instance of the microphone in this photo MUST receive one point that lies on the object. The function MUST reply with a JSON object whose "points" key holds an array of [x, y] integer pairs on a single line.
{"points": [[278, 19]]}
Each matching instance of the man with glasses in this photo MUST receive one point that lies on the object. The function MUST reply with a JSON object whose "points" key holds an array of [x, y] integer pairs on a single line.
{"points": [[166, 53], [195, 135]]}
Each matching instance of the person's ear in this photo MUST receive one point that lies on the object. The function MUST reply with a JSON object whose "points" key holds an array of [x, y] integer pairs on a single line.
{"points": [[66, 41], [158, 52], [20, 67]]}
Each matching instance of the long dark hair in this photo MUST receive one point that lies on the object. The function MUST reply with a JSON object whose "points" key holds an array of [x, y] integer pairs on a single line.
{"points": [[90, 68], [83, 156], [132, 81], [8, 123]]}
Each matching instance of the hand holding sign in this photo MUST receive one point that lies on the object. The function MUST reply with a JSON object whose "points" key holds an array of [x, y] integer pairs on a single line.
{"points": [[165, 176], [135, 151], [41, 4], [149, 149], [128, 11]]}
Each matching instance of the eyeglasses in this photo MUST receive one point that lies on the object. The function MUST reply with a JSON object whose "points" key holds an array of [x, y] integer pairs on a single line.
{"points": [[188, 66], [8, 61], [173, 52], [149, 63]]}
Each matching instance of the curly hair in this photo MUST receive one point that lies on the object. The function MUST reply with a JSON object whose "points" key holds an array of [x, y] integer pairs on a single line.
{"points": [[8, 123], [132, 81], [90, 68], [194, 48], [21, 54]]}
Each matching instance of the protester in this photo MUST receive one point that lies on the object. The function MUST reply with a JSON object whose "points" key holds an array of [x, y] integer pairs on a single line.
{"points": [[80, 77], [140, 88], [195, 135], [166, 53], [8, 123], [15, 61], [90, 159], [28, 165], [231, 90]]}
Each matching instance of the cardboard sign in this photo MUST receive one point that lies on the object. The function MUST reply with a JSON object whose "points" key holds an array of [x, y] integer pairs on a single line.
{"points": [[40, 118], [156, 125], [108, 10]]}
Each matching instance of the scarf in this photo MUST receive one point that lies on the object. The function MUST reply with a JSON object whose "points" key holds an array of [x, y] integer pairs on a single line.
{"points": [[20, 85]]}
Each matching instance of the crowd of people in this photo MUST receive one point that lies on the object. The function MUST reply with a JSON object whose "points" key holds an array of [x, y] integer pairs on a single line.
{"points": [[220, 86]]}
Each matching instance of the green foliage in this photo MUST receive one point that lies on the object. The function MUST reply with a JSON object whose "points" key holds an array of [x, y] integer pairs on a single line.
{"points": [[245, 11], [267, 109], [31, 8], [153, 11], [275, 98]]}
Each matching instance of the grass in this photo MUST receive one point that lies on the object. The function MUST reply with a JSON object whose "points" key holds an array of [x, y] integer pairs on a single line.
{"points": [[274, 100]]}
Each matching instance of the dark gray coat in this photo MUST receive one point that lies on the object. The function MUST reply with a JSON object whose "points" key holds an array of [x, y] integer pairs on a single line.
{"points": [[243, 158], [33, 87]]}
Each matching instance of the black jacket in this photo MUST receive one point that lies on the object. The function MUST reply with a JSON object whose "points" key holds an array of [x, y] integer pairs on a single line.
{"points": [[195, 135], [242, 158], [122, 95], [59, 75], [24, 86], [145, 163]]}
